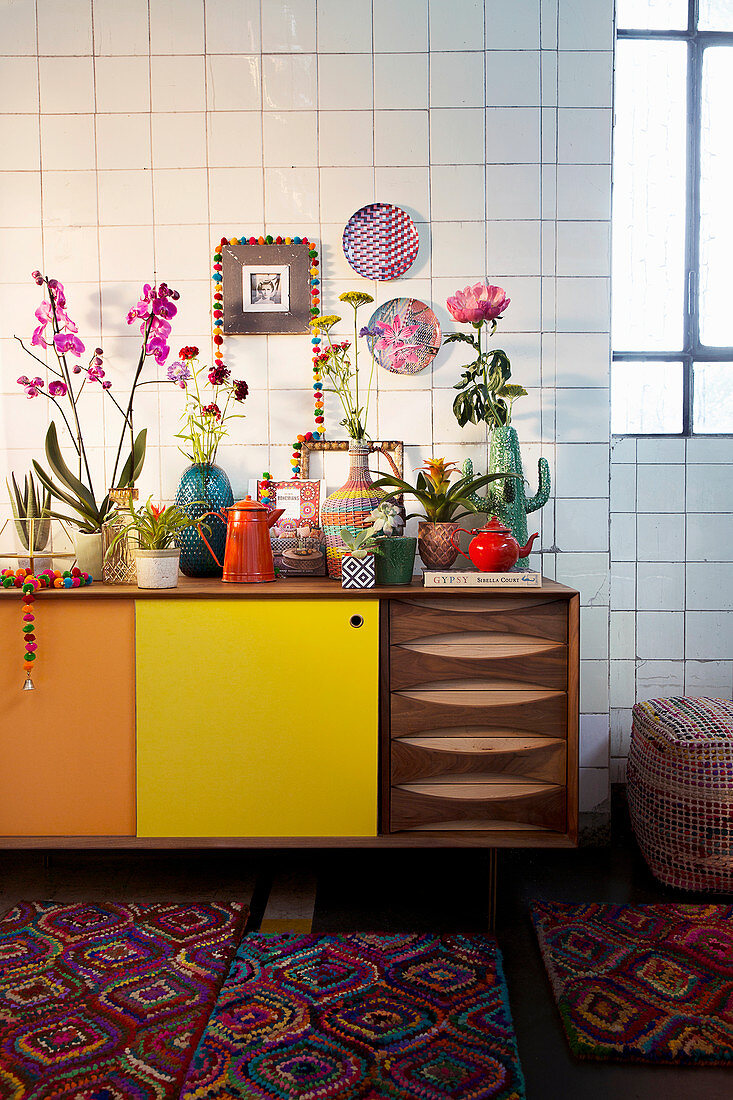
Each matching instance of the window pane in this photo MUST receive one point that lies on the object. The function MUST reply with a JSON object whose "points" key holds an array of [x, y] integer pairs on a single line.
{"points": [[716, 214], [715, 15], [646, 398], [712, 406], [649, 195], [652, 15]]}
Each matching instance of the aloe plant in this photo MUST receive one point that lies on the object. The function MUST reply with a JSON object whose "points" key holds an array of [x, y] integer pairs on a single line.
{"points": [[31, 512]]}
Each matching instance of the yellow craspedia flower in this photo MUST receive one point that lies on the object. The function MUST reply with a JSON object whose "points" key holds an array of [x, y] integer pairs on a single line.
{"points": [[355, 298], [323, 324]]}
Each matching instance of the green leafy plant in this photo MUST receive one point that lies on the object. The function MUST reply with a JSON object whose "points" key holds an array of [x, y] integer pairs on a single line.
{"points": [[440, 500], [336, 366], [150, 527], [31, 512], [358, 544]]}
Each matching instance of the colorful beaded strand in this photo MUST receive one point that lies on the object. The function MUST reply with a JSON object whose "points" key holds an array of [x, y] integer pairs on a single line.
{"points": [[29, 584]]}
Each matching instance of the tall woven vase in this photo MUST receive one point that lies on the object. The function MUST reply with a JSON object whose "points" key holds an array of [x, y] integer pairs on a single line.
{"points": [[203, 487], [350, 506]]}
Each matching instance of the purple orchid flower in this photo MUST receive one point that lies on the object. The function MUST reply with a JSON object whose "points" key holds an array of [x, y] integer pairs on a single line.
{"points": [[57, 389], [32, 386], [68, 344]]}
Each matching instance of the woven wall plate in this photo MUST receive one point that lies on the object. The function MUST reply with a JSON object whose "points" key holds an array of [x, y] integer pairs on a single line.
{"points": [[380, 241], [407, 335]]}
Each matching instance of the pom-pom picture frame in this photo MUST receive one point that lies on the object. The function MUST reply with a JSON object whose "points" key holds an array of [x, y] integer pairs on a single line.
{"points": [[266, 288]]}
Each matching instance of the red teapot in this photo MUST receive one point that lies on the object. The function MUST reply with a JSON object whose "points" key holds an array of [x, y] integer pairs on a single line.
{"points": [[493, 549], [248, 551]]}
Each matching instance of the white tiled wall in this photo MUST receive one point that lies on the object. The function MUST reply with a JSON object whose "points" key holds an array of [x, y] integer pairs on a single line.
{"points": [[671, 575], [136, 134]]}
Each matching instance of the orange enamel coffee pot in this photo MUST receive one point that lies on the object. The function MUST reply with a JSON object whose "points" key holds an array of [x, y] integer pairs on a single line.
{"points": [[248, 552]]}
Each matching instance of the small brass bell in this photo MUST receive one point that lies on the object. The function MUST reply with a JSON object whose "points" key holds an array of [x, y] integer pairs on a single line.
{"points": [[29, 685]]}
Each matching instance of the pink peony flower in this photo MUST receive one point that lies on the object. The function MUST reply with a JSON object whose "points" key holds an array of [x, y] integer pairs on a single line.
{"points": [[478, 303]]}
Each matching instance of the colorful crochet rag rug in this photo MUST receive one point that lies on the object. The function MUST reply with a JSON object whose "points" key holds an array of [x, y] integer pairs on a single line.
{"points": [[107, 1001], [368, 1016], [642, 983]]}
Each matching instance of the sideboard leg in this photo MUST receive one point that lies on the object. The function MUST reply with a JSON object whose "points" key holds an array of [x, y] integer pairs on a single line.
{"points": [[492, 859]]}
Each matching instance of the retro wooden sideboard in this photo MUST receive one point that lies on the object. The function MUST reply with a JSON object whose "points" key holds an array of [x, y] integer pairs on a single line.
{"points": [[291, 714]]}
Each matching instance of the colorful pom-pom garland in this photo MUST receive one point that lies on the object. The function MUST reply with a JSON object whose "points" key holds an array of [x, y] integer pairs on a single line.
{"points": [[29, 584], [315, 283]]}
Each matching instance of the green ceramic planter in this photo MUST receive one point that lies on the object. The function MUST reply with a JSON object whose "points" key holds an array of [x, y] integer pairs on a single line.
{"points": [[395, 557]]}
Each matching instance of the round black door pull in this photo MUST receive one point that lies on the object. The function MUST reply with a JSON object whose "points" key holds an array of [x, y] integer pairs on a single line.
{"points": [[356, 620]]}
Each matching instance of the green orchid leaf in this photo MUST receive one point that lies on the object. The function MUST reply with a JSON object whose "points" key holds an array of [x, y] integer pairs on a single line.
{"points": [[63, 473]]}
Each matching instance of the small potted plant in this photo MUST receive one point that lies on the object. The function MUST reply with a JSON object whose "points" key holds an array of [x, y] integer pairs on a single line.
{"points": [[357, 565], [443, 505], [395, 552], [153, 531], [32, 514]]}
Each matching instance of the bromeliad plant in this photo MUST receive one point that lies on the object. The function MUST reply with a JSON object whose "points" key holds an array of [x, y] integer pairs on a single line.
{"points": [[205, 422], [56, 330], [150, 527], [486, 393], [338, 369], [31, 512], [440, 500]]}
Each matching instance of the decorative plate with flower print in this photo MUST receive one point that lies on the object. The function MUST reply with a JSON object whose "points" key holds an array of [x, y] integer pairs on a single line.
{"points": [[404, 335], [380, 241]]}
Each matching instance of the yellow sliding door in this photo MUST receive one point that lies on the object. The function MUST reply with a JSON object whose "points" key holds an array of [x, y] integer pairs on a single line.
{"points": [[257, 717]]}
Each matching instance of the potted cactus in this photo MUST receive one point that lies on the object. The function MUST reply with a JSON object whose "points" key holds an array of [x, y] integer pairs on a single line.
{"points": [[31, 512]]}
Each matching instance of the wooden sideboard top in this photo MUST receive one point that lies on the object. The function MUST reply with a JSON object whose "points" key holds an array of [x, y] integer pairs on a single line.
{"points": [[296, 588]]}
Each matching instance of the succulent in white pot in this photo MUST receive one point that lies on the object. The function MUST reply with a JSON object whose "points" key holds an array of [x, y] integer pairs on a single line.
{"points": [[153, 531]]}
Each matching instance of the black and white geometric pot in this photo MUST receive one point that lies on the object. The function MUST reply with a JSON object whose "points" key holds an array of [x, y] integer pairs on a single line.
{"points": [[358, 572]]}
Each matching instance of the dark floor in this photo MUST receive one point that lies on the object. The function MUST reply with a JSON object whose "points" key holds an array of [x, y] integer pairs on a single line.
{"points": [[404, 890]]}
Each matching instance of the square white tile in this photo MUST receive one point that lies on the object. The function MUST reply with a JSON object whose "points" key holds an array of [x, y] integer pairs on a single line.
{"points": [[178, 83], [179, 140], [709, 586], [233, 27], [584, 79], [708, 635], [457, 26], [582, 525], [512, 78], [18, 27], [660, 537], [583, 191], [344, 26], [584, 135], [457, 135], [67, 85], [512, 27], [64, 26], [235, 138], [401, 81], [401, 138], [177, 28], [709, 536], [123, 141], [181, 196], [400, 25], [660, 586], [583, 305], [122, 84], [20, 133], [513, 135], [345, 137], [585, 26], [345, 82], [582, 470], [67, 141], [660, 635], [289, 27], [583, 248], [519, 187], [289, 82], [291, 196], [233, 83], [232, 191], [457, 79], [660, 488], [290, 138], [125, 197], [513, 246], [121, 29]]}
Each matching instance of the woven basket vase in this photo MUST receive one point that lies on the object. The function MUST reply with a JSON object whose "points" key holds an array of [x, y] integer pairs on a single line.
{"points": [[680, 790], [350, 506]]}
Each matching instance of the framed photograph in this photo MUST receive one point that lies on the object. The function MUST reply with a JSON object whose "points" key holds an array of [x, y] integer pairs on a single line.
{"points": [[266, 288], [393, 451]]}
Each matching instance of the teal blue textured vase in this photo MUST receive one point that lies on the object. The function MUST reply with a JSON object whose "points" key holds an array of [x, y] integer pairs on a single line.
{"points": [[203, 488]]}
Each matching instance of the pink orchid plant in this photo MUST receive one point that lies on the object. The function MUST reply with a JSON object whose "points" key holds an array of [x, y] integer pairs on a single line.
{"points": [[486, 394], [58, 332]]}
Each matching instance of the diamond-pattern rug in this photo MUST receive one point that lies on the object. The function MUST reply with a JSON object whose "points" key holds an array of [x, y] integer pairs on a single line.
{"points": [[643, 983], [370, 1016], [108, 1001]]}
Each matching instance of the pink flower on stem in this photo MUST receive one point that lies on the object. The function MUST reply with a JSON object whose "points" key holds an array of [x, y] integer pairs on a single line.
{"points": [[68, 344], [32, 386], [57, 389], [478, 303]]}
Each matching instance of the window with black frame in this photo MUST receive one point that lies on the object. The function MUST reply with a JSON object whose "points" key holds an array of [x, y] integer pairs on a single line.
{"points": [[672, 285]]}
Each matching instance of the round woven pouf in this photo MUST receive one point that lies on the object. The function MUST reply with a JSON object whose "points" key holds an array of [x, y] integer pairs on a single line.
{"points": [[680, 790]]}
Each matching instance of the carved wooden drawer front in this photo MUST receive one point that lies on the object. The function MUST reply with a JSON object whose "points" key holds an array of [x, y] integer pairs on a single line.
{"points": [[478, 805], [477, 758], [479, 714], [539, 711], [507, 619]]}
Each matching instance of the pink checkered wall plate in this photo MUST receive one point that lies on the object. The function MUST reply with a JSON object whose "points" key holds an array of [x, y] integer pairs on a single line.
{"points": [[380, 241]]}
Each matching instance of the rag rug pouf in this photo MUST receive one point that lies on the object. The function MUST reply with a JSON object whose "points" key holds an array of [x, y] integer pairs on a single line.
{"points": [[108, 1001], [680, 790], [642, 983], [318, 1017]]}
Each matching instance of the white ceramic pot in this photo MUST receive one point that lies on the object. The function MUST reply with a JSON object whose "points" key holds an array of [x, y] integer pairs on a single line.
{"points": [[157, 568], [89, 553]]}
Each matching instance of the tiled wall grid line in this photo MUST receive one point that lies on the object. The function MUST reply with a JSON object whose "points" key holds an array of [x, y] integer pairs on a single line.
{"points": [[135, 136]]}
